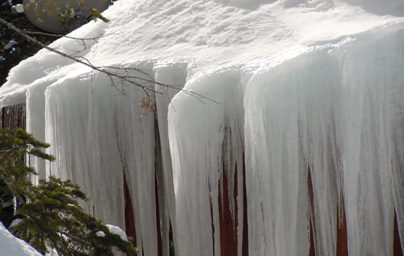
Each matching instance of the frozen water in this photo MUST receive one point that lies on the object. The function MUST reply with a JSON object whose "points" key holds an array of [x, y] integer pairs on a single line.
{"points": [[298, 102]]}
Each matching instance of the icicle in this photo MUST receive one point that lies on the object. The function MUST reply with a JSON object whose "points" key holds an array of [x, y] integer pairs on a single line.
{"points": [[276, 173], [369, 117], [172, 74], [83, 115], [196, 131]]}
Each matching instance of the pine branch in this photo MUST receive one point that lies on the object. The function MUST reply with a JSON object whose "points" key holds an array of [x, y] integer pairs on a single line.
{"points": [[9, 184]]}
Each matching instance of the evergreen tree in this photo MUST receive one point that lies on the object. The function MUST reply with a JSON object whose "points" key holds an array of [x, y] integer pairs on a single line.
{"points": [[51, 217], [6, 204], [14, 146], [54, 219]]}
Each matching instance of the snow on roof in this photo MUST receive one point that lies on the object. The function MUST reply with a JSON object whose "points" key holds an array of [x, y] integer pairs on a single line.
{"points": [[208, 34]]}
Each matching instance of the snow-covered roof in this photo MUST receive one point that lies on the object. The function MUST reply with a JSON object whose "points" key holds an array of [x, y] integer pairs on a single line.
{"points": [[208, 34]]}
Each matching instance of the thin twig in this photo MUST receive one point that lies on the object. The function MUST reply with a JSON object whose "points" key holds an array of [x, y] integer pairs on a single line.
{"points": [[19, 31], [104, 69], [60, 35]]}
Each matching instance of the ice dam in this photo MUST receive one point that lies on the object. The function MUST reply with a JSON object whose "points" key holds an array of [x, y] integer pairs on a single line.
{"points": [[281, 132]]}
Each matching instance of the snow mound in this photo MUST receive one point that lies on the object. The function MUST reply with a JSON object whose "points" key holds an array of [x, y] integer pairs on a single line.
{"points": [[13, 246]]}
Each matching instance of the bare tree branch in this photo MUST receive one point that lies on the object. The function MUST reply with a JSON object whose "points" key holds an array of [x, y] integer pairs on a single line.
{"points": [[99, 69], [60, 35], [82, 41], [113, 72]]}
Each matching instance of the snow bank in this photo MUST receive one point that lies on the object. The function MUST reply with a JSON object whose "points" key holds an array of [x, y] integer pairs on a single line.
{"points": [[11, 246], [291, 112]]}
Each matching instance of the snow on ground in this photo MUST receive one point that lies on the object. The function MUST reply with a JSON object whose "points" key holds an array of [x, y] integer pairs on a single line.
{"points": [[12, 246]]}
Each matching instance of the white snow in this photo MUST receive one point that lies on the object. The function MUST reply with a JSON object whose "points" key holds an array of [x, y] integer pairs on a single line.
{"points": [[100, 233], [209, 33], [284, 86], [117, 231], [13, 246], [15, 222]]}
